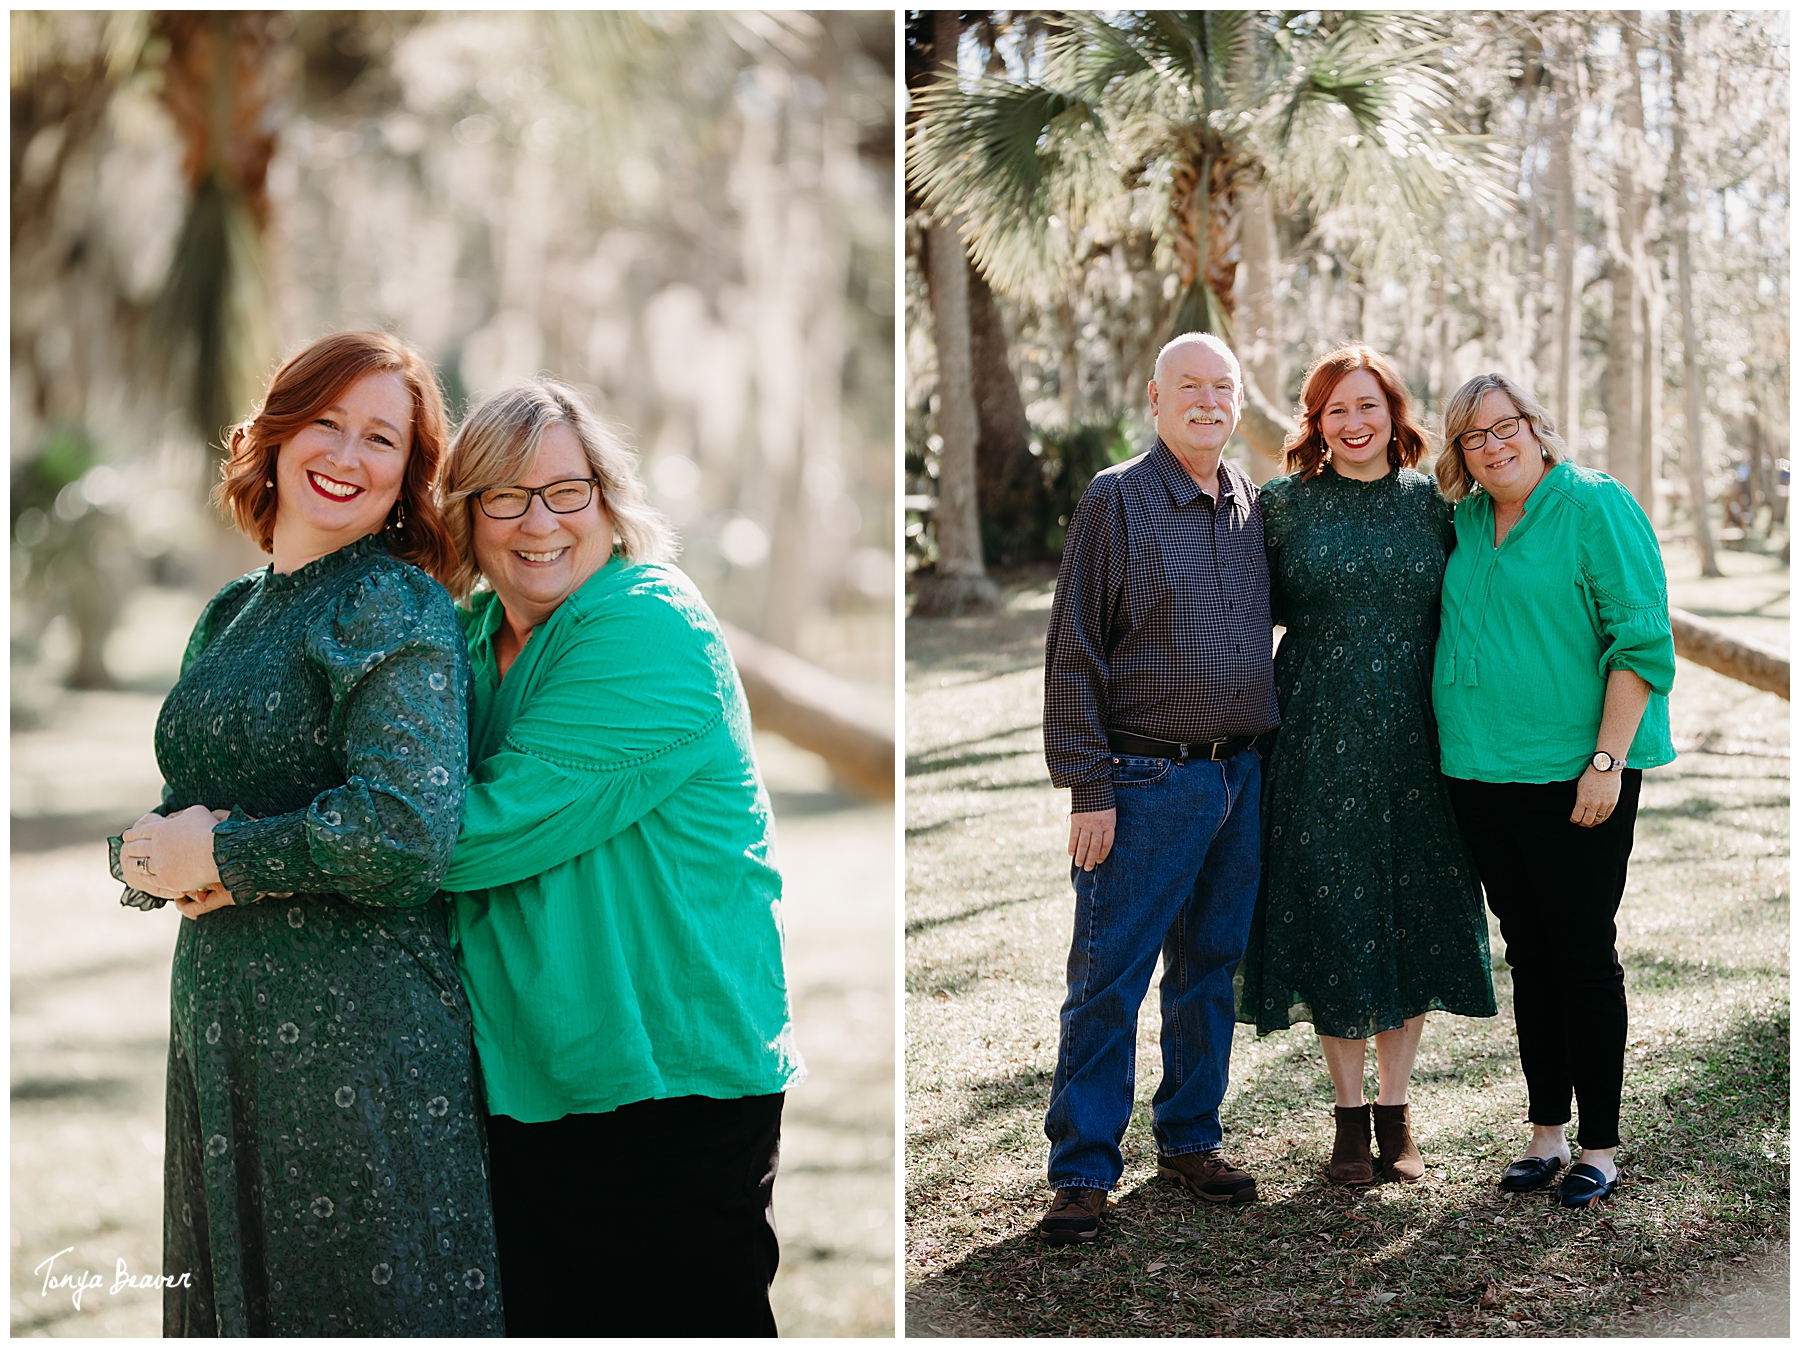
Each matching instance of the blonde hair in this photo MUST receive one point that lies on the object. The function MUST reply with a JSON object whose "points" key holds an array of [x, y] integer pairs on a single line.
{"points": [[1460, 413], [496, 445]]}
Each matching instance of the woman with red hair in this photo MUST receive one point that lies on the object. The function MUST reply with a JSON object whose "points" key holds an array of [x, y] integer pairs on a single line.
{"points": [[1369, 914], [324, 1170]]}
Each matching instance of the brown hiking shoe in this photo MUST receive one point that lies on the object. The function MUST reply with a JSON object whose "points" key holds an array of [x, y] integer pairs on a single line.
{"points": [[1074, 1216], [1400, 1159], [1350, 1159], [1208, 1175]]}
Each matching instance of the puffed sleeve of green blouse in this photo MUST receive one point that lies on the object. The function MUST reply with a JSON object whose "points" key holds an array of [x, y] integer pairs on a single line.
{"points": [[1622, 570], [394, 659], [1276, 508], [639, 700]]}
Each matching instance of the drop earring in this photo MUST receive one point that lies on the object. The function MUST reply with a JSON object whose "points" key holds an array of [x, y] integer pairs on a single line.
{"points": [[399, 524]]}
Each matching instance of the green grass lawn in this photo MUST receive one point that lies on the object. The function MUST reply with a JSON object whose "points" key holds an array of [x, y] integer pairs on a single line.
{"points": [[1703, 938]]}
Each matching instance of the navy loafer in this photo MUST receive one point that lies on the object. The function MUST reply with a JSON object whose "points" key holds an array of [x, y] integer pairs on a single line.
{"points": [[1584, 1186], [1533, 1172]]}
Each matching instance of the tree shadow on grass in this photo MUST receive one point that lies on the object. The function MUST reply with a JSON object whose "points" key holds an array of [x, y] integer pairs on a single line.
{"points": [[925, 924], [1704, 807], [921, 764], [1705, 1182]]}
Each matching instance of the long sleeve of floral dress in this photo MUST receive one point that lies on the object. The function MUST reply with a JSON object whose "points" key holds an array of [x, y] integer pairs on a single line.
{"points": [[375, 703]]}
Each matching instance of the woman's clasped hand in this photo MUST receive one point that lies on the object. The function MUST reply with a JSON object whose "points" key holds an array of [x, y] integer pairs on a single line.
{"points": [[171, 857]]}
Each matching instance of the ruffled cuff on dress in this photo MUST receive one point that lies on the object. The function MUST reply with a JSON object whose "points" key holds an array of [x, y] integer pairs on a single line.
{"points": [[131, 898], [261, 856]]}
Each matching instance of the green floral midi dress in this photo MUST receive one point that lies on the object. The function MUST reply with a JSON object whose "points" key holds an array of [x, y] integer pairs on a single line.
{"points": [[1369, 910], [324, 1162]]}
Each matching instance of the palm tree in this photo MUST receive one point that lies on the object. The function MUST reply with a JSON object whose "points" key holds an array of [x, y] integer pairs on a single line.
{"points": [[959, 582], [1168, 120], [212, 330]]}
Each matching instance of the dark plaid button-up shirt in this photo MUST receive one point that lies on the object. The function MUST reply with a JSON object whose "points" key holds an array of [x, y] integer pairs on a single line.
{"points": [[1160, 626]]}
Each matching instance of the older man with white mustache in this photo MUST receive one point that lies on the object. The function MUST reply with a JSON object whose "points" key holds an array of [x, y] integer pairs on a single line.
{"points": [[1157, 683]]}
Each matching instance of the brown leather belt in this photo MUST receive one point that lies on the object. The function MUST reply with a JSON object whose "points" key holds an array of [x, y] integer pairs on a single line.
{"points": [[1140, 746]]}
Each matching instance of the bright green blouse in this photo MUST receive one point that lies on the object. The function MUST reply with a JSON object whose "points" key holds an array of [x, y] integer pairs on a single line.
{"points": [[1531, 629], [615, 904]]}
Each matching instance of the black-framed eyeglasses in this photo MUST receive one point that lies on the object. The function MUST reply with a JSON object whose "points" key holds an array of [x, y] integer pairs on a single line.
{"points": [[560, 498], [1504, 429]]}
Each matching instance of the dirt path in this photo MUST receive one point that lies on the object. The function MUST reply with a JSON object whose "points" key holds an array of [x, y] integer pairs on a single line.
{"points": [[90, 1017]]}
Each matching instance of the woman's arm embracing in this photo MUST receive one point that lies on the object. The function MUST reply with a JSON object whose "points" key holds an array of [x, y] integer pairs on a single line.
{"points": [[636, 697], [393, 656]]}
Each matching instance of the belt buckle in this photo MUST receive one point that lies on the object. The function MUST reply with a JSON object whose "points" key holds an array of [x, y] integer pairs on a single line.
{"points": [[1213, 752]]}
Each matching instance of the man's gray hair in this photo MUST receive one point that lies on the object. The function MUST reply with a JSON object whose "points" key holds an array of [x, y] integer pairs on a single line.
{"points": [[1205, 339]]}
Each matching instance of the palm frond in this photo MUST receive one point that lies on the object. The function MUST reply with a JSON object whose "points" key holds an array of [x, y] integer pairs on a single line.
{"points": [[211, 333], [988, 152], [1200, 311], [1088, 54], [1359, 123]]}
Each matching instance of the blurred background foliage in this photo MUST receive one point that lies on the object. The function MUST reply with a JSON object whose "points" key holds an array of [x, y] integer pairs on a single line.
{"points": [[1595, 202], [689, 216]]}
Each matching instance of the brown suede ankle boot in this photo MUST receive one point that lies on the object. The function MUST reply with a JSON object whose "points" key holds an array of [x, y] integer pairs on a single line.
{"points": [[1400, 1158], [1350, 1159]]}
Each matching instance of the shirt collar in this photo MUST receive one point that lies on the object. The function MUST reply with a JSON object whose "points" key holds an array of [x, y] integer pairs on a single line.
{"points": [[1233, 485]]}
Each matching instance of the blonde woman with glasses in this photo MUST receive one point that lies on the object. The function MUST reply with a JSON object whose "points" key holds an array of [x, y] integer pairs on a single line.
{"points": [[615, 902], [1554, 664]]}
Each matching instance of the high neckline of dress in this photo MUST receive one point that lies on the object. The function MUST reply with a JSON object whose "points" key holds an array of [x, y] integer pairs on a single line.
{"points": [[1392, 475], [321, 567]]}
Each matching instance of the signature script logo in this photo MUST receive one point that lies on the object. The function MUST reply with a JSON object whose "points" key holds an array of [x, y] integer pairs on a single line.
{"points": [[80, 1281]]}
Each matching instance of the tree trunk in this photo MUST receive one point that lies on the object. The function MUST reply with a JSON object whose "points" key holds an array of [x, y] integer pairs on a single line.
{"points": [[810, 707], [1694, 455], [1264, 425], [1650, 392], [1751, 662], [1565, 404], [1003, 436], [1624, 350], [959, 583], [1258, 316]]}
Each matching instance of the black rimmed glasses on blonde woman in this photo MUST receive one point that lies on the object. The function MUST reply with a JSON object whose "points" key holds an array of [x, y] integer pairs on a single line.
{"points": [[1505, 429], [560, 498]]}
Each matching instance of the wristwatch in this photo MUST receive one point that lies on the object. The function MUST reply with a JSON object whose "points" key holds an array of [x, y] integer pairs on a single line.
{"points": [[1605, 762]]}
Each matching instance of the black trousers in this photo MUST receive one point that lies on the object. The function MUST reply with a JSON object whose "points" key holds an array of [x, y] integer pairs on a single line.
{"points": [[1555, 887], [653, 1220]]}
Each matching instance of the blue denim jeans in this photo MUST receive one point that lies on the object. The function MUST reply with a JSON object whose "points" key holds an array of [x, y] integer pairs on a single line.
{"points": [[1180, 879]]}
